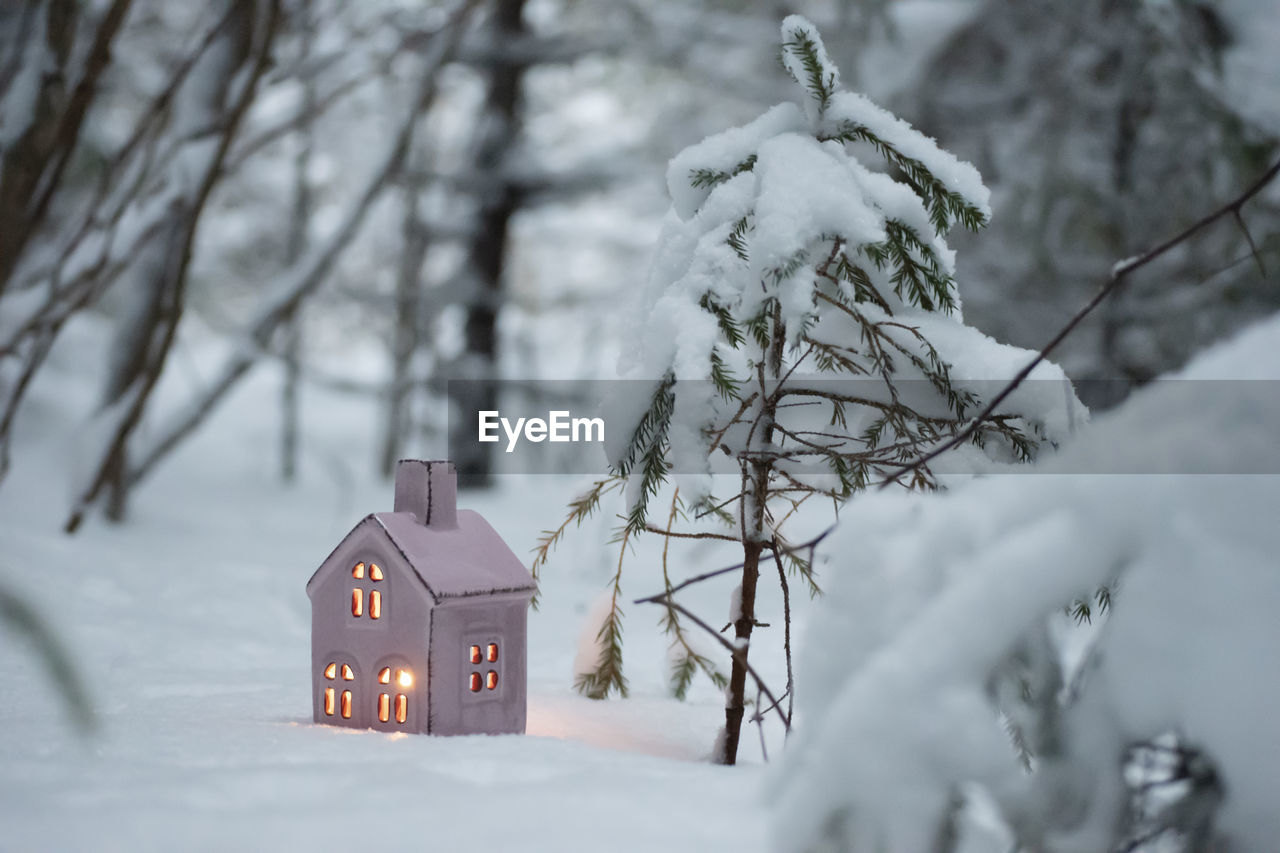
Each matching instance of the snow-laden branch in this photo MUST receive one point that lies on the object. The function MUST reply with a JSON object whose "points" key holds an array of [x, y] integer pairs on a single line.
{"points": [[1118, 274]]}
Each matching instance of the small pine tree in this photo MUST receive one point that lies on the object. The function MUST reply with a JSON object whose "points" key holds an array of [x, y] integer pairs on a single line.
{"points": [[790, 311]]}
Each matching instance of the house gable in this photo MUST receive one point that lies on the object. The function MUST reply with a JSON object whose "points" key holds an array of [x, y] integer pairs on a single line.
{"points": [[470, 559], [368, 542]]}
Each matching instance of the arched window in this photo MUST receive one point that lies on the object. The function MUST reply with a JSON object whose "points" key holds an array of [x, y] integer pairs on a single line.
{"points": [[366, 589], [395, 683], [339, 684]]}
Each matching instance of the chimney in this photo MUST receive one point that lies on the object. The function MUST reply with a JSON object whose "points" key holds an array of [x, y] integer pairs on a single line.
{"points": [[429, 490]]}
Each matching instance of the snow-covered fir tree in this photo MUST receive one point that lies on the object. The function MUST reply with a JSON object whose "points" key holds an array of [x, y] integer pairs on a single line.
{"points": [[802, 331]]}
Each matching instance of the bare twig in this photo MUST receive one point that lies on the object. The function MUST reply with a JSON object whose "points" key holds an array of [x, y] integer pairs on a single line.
{"points": [[810, 544], [68, 130], [786, 617], [737, 653], [177, 258], [305, 276], [1118, 275], [675, 534]]}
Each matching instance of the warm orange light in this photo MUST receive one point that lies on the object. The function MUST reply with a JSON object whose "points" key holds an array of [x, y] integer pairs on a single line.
{"points": [[347, 674], [402, 707], [357, 571], [375, 572], [384, 677], [375, 604], [384, 707], [357, 601], [493, 652], [346, 704], [491, 680], [475, 682], [475, 654], [328, 701], [331, 671], [405, 678]]}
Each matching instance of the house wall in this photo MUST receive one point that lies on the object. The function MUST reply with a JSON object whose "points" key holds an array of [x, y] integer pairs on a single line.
{"points": [[397, 639], [457, 624]]}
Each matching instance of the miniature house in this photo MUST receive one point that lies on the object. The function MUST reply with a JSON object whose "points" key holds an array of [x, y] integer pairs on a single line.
{"points": [[418, 618]]}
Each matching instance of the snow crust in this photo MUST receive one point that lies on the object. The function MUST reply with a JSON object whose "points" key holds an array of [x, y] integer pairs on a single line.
{"points": [[958, 175], [190, 628], [725, 151], [929, 596]]}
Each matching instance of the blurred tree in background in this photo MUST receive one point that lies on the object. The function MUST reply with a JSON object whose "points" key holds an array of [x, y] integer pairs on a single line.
{"points": [[380, 197], [1102, 128]]}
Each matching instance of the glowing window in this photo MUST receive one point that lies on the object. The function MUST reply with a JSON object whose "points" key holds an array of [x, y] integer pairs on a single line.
{"points": [[402, 707], [492, 652], [359, 593], [346, 704], [475, 682], [331, 671], [384, 707], [328, 701], [347, 674], [491, 680], [404, 678], [384, 677], [475, 654]]}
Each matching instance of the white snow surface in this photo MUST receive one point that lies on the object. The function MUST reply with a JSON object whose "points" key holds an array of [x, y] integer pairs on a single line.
{"points": [[796, 28], [723, 152], [190, 628], [958, 175], [927, 595]]}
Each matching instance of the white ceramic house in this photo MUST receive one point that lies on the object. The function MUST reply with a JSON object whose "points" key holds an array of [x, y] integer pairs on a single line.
{"points": [[419, 618]]}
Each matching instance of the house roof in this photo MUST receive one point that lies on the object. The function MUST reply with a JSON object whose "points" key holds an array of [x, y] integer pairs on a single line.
{"points": [[467, 560]]}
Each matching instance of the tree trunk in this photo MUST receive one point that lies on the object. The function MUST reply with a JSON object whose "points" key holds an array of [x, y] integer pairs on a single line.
{"points": [[487, 254], [735, 704], [38, 43], [757, 472], [407, 335], [290, 426]]}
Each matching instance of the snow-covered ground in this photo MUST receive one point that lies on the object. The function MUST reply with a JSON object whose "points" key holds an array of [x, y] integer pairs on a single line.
{"points": [[189, 626], [938, 603]]}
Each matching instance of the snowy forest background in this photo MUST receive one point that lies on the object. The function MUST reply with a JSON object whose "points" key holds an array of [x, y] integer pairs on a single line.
{"points": [[244, 245]]}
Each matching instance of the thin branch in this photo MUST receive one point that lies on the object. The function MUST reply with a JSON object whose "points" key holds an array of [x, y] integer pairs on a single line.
{"points": [[758, 719], [1118, 275], [652, 528], [1253, 248], [786, 619], [82, 96], [737, 653], [311, 271], [810, 543], [178, 256]]}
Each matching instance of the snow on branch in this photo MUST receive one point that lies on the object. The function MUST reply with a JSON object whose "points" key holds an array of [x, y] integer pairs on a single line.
{"points": [[1118, 274]]}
